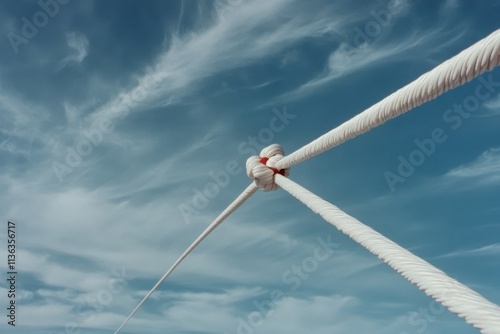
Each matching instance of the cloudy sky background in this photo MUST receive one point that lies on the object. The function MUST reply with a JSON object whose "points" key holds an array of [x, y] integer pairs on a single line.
{"points": [[181, 88]]}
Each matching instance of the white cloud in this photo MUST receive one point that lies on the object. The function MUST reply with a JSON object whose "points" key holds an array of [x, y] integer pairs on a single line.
{"points": [[218, 313], [72, 114], [296, 315], [83, 224], [59, 274], [79, 49], [18, 116], [80, 45], [349, 58], [494, 105], [10, 147], [488, 250], [21, 122], [486, 167], [21, 295], [236, 41]]}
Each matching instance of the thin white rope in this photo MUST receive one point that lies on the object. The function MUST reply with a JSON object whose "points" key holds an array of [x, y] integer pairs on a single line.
{"points": [[468, 64], [458, 298], [249, 191]]}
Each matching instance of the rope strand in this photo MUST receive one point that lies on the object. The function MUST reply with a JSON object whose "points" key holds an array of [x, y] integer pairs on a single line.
{"points": [[468, 64], [458, 298], [249, 191]]}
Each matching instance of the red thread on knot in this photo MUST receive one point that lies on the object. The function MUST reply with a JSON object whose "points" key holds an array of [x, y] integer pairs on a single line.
{"points": [[263, 161]]}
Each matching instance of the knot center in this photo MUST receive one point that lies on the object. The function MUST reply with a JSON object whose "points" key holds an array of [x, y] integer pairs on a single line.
{"points": [[275, 170], [263, 168]]}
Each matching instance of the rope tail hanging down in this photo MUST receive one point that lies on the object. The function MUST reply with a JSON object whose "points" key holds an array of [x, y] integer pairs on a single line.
{"points": [[249, 191]]}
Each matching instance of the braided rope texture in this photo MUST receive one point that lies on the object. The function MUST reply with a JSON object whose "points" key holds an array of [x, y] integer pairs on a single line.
{"points": [[468, 64], [458, 298]]}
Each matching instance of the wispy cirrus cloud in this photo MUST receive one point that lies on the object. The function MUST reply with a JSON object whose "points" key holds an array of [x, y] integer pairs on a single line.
{"points": [[79, 49], [488, 250], [9, 146], [485, 169], [493, 106], [21, 124], [238, 40], [346, 59]]}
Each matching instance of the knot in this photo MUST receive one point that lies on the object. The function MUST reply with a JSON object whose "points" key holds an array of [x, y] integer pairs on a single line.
{"points": [[262, 168]]}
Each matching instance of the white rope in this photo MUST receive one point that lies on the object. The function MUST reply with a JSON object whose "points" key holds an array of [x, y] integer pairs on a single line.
{"points": [[468, 64], [482, 56], [249, 191], [458, 298]]}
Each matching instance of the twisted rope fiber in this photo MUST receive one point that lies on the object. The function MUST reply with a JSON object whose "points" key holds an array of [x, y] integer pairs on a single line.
{"points": [[249, 191], [468, 64], [458, 298]]}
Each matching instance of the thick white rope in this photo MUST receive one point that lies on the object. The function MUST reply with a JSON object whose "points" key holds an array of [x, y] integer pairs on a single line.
{"points": [[468, 64], [249, 191], [458, 298]]}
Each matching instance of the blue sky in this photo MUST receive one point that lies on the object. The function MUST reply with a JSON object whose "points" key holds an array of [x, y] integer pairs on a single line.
{"points": [[117, 116]]}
